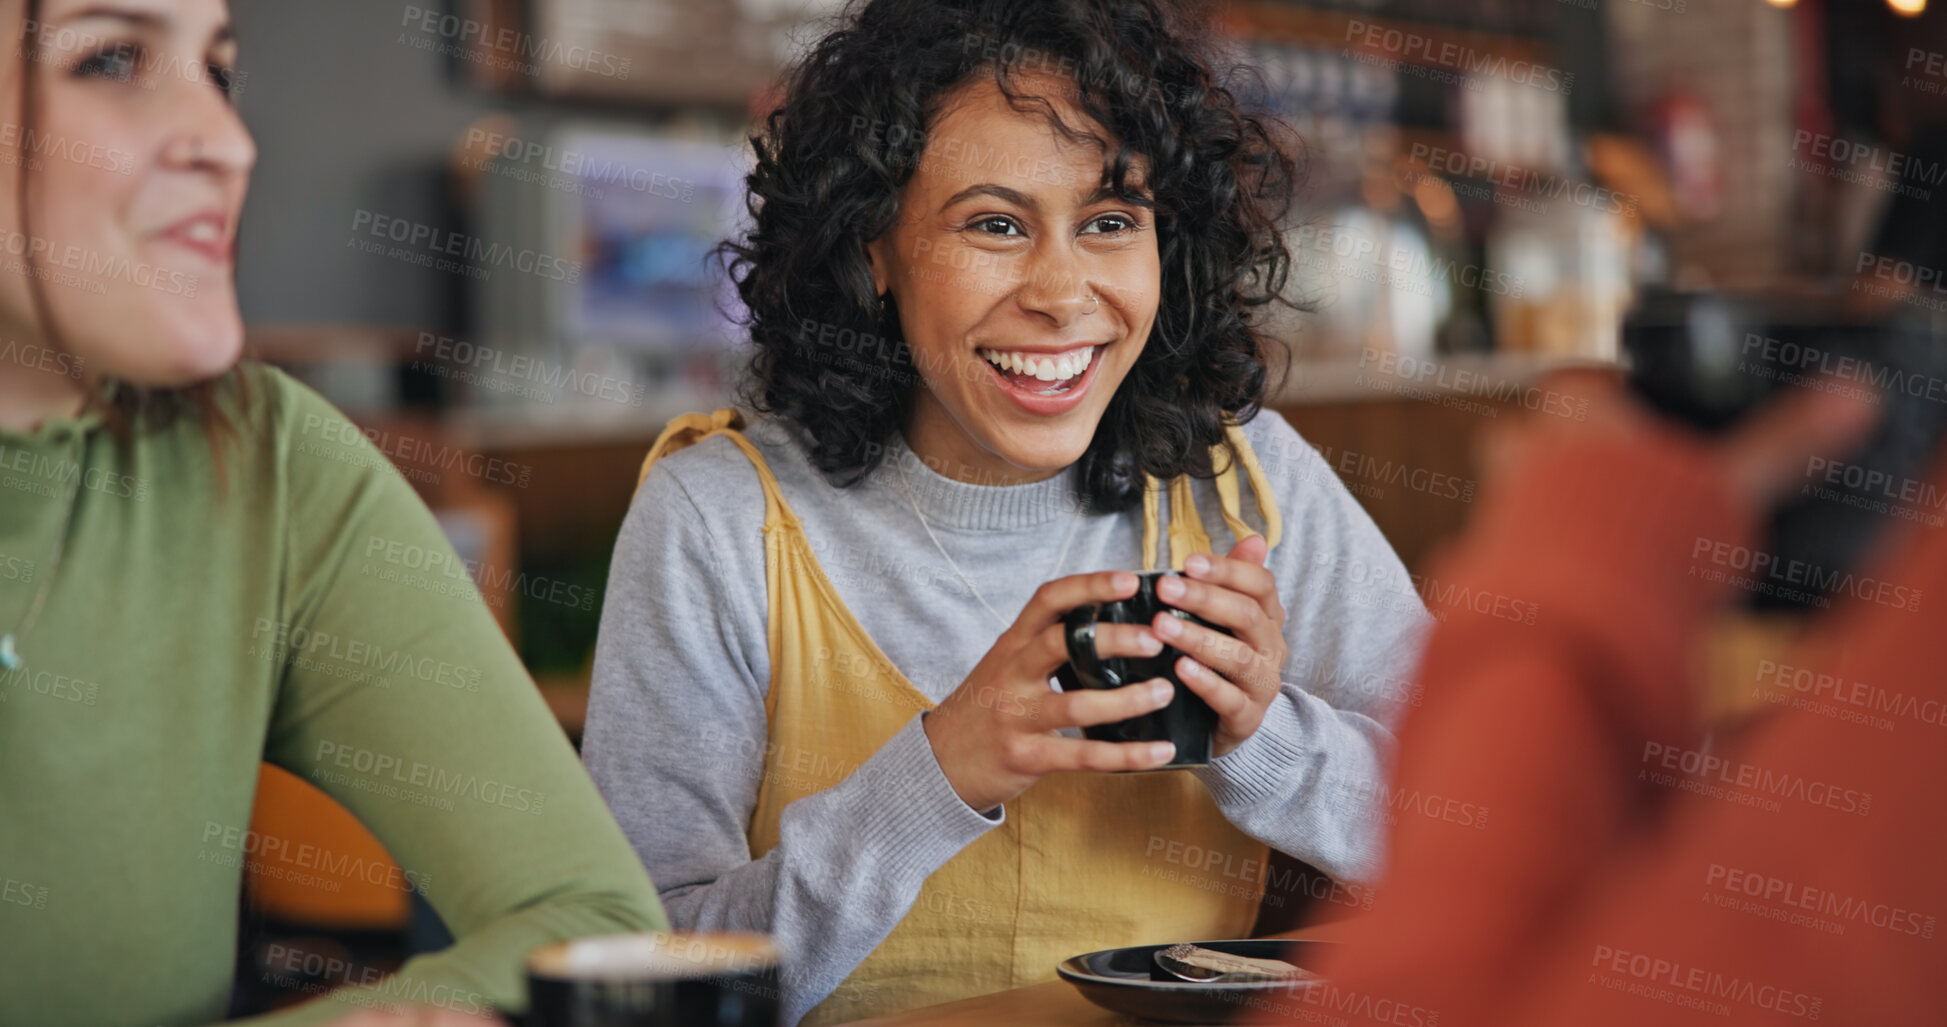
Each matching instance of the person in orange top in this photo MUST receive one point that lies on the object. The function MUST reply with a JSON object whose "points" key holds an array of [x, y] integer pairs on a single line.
{"points": [[1632, 869]]}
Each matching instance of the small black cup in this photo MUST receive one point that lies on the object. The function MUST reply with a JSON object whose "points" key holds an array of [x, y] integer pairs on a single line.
{"points": [[1187, 720], [670, 979]]}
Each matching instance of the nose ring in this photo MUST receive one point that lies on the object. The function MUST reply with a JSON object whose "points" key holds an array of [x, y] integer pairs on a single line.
{"points": [[1093, 304]]}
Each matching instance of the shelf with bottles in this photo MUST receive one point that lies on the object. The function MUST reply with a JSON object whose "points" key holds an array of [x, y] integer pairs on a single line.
{"points": [[650, 54], [1452, 204], [1411, 31], [1417, 263]]}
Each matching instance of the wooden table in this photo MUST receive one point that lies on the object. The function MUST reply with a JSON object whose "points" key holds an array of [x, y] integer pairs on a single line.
{"points": [[1053, 1004], [1056, 1002]]}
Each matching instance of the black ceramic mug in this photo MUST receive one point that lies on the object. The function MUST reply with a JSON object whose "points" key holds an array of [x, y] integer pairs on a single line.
{"points": [[669, 979], [1187, 721]]}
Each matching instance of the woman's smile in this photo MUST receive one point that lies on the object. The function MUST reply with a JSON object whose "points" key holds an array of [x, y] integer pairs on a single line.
{"points": [[205, 234], [1044, 381]]}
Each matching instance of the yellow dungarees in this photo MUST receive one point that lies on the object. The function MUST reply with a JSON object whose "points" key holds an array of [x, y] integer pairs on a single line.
{"points": [[1083, 861]]}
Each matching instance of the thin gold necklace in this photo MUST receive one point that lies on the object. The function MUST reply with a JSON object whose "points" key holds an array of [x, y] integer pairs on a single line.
{"points": [[1061, 559]]}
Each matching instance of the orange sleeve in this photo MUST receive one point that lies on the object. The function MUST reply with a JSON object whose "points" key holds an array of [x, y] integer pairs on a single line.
{"points": [[1821, 905], [1586, 893], [1563, 614]]}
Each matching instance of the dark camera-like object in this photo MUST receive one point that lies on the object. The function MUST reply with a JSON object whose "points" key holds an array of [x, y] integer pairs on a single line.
{"points": [[1708, 360]]}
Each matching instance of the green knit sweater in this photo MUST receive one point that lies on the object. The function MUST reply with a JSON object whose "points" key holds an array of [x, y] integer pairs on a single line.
{"points": [[298, 606]]}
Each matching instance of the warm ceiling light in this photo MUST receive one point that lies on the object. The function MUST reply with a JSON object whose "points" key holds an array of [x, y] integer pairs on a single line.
{"points": [[1781, 3], [1907, 7]]}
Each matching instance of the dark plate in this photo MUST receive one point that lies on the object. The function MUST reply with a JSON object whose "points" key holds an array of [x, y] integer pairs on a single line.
{"points": [[1129, 981]]}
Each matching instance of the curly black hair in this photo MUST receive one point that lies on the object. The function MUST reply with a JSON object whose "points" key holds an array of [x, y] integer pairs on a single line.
{"points": [[849, 133]]}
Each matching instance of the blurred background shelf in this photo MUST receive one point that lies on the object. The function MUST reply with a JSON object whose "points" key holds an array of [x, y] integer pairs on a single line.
{"points": [[1385, 377]]}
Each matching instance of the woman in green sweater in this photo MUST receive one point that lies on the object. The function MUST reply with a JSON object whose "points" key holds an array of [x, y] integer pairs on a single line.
{"points": [[199, 571]]}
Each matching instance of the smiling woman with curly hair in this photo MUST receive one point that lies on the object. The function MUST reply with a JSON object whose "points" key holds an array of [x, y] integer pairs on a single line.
{"points": [[1208, 180], [1002, 276]]}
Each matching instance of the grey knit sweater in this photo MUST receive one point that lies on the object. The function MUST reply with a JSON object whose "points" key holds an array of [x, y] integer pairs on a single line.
{"points": [[676, 725]]}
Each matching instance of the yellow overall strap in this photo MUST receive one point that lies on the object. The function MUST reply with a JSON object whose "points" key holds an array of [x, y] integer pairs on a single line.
{"points": [[1186, 531], [1151, 487], [690, 429], [1267, 504], [1187, 534]]}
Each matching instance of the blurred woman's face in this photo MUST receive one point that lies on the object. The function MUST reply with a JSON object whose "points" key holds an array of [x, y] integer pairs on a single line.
{"points": [[1025, 291], [135, 165]]}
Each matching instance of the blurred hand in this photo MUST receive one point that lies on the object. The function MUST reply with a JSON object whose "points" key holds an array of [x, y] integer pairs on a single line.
{"points": [[1238, 674], [996, 734], [1761, 458]]}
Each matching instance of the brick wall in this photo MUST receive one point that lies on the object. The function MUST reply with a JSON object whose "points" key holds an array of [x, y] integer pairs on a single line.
{"points": [[1736, 55]]}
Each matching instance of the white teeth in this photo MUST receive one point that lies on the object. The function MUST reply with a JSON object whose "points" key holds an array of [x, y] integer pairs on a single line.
{"points": [[202, 231], [1042, 367]]}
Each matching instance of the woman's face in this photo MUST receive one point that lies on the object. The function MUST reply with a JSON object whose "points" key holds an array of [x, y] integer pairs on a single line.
{"points": [[135, 165], [1025, 291]]}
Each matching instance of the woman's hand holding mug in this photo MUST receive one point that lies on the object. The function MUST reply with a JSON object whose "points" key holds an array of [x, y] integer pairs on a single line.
{"points": [[997, 733], [1240, 677]]}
